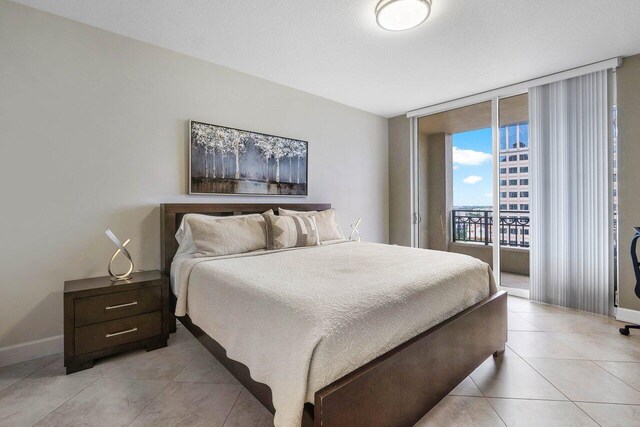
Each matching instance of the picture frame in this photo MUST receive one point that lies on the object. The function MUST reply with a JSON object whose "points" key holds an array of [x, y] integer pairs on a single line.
{"points": [[230, 161]]}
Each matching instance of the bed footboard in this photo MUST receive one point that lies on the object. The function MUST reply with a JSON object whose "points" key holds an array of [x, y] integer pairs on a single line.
{"points": [[399, 387]]}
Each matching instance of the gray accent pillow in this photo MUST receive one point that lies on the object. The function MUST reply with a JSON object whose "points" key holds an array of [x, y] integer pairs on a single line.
{"points": [[291, 231], [327, 221]]}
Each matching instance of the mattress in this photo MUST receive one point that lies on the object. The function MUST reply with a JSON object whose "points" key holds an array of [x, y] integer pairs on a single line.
{"points": [[301, 319], [174, 274]]}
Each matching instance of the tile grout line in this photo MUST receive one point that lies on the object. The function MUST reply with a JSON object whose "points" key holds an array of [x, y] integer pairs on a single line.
{"points": [[148, 402], [96, 379], [579, 360], [539, 373], [553, 400], [232, 406], [169, 381], [570, 400], [494, 410], [560, 343], [545, 400], [71, 397], [586, 413], [549, 381], [474, 383], [608, 371]]}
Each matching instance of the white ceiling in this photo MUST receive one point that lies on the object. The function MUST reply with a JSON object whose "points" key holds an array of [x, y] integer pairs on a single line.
{"points": [[333, 48]]}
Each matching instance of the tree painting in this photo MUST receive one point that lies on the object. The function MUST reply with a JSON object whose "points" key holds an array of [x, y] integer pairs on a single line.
{"points": [[233, 161]]}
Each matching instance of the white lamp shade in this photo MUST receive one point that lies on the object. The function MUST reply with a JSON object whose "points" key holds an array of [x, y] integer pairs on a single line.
{"points": [[399, 15]]}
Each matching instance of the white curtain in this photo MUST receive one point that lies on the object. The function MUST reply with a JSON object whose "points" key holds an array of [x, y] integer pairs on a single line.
{"points": [[570, 212]]}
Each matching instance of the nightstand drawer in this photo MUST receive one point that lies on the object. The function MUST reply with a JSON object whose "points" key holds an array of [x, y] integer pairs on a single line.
{"points": [[117, 305], [109, 334]]}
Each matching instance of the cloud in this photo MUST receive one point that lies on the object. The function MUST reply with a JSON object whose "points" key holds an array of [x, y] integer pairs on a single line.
{"points": [[470, 157], [473, 179], [455, 167]]}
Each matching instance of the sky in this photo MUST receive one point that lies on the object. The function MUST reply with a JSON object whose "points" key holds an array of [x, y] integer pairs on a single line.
{"points": [[472, 162]]}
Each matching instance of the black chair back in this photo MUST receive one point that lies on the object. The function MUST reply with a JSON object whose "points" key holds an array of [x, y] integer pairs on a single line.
{"points": [[634, 259]]}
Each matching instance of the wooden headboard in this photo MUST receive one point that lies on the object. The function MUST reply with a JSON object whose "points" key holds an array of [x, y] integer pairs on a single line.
{"points": [[171, 215]]}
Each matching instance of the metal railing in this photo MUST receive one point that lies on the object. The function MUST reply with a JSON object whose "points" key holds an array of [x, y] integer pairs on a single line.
{"points": [[477, 226]]}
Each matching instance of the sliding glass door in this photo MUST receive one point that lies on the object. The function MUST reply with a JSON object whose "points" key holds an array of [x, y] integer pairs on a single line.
{"points": [[471, 185], [514, 192]]}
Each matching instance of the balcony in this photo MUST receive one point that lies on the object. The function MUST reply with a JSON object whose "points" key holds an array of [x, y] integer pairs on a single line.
{"points": [[476, 226], [472, 235]]}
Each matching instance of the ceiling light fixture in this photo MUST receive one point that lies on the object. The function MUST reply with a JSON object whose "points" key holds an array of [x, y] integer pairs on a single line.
{"points": [[399, 15]]}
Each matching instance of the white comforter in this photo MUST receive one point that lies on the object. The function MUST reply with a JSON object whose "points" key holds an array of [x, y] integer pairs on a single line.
{"points": [[301, 319]]}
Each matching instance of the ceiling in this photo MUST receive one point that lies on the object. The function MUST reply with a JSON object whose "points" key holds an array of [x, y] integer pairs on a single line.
{"points": [[334, 49]]}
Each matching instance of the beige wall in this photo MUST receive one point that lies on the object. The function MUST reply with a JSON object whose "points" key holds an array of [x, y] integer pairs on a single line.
{"points": [[399, 181], [439, 191], [93, 136], [628, 77]]}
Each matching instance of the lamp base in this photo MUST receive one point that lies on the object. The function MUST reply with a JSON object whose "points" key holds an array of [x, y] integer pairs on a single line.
{"points": [[120, 279]]}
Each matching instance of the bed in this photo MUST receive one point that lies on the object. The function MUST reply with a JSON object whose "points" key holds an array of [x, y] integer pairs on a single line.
{"points": [[336, 340]]}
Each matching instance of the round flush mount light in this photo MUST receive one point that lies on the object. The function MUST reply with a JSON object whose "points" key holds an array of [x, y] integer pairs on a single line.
{"points": [[399, 15]]}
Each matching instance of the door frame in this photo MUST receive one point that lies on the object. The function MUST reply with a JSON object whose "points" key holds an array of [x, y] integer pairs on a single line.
{"points": [[495, 176], [493, 96]]}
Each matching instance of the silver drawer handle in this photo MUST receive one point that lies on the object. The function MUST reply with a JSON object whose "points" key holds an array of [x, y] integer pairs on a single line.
{"points": [[111, 307], [128, 331]]}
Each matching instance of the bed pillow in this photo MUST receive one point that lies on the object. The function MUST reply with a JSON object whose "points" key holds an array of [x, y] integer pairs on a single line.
{"points": [[291, 231], [183, 233], [328, 227], [228, 235]]}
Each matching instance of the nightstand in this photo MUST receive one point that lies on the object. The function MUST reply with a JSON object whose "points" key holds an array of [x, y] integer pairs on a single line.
{"points": [[103, 317]]}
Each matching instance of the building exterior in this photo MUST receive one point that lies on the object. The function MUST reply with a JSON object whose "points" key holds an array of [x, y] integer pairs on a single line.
{"points": [[474, 224], [514, 182]]}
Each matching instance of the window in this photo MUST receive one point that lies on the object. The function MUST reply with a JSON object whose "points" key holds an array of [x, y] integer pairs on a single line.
{"points": [[514, 137], [513, 158], [503, 207], [512, 132], [513, 170], [524, 157], [523, 134], [524, 182], [513, 194], [503, 182], [503, 170], [525, 231], [503, 158], [524, 207], [503, 194], [524, 169], [513, 182], [503, 139], [513, 207], [524, 194]]}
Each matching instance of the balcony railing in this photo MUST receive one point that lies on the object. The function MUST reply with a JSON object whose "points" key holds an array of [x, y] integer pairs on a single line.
{"points": [[477, 226]]}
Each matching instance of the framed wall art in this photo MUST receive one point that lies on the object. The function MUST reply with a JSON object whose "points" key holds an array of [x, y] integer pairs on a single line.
{"points": [[225, 160]]}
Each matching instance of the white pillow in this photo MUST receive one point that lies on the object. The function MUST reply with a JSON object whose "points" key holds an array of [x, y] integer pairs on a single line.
{"points": [[184, 236], [228, 236]]}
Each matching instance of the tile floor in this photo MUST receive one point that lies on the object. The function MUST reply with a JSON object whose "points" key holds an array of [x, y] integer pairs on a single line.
{"points": [[561, 368], [511, 280]]}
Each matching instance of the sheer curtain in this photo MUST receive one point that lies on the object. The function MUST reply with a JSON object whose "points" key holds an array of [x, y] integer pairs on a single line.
{"points": [[570, 230]]}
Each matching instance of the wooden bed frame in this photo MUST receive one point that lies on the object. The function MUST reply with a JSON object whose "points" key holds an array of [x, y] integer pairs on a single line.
{"points": [[395, 389]]}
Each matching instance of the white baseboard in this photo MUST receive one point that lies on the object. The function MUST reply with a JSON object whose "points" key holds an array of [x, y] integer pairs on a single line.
{"points": [[31, 350], [629, 316]]}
